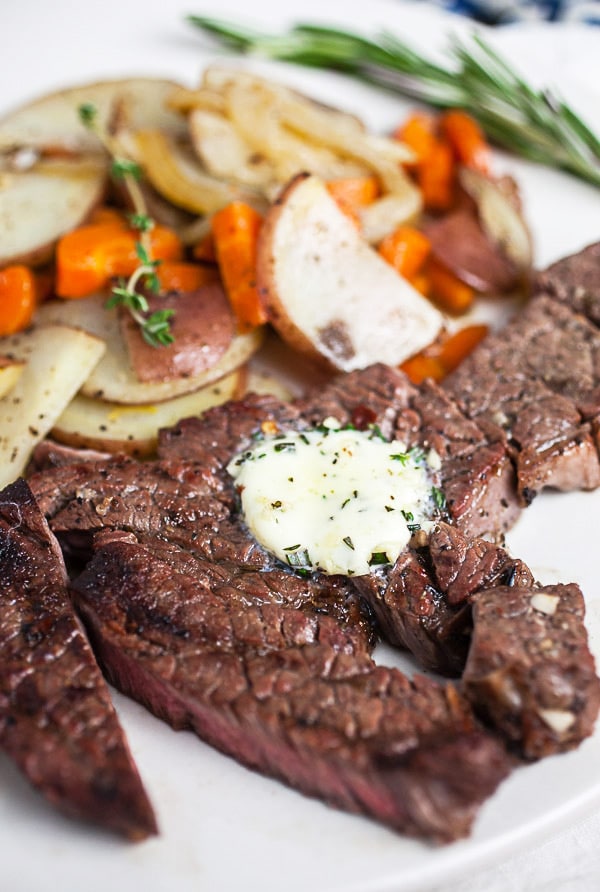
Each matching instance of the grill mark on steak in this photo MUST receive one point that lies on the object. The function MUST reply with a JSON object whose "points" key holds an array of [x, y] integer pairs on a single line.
{"points": [[289, 695], [56, 718], [529, 669], [536, 382]]}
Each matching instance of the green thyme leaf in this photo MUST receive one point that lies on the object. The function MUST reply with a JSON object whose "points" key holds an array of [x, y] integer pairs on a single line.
{"points": [[121, 168], [88, 114]]}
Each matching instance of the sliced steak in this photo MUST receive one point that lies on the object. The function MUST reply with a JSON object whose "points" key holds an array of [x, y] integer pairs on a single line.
{"points": [[423, 602], [289, 695], [477, 475], [529, 671], [525, 382], [575, 280], [56, 718]]}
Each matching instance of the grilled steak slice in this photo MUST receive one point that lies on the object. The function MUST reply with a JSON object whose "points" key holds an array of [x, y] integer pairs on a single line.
{"points": [[510, 383], [423, 602], [244, 586], [529, 671], [575, 280], [288, 695], [198, 532], [56, 718], [477, 475]]}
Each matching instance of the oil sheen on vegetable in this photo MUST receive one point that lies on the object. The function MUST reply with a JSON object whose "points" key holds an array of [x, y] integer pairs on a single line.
{"points": [[334, 499]]}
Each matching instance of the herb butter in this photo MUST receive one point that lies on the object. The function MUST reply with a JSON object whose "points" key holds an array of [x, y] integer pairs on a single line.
{"points": [[335, 499]]}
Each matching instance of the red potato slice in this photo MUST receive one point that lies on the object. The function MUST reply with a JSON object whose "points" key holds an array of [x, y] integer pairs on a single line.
{"points": [[113, 379], [328, 293], [203, 327], [459, 242]]}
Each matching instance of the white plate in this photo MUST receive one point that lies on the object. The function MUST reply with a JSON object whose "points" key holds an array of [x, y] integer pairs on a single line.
{"points": [[223, 827]]}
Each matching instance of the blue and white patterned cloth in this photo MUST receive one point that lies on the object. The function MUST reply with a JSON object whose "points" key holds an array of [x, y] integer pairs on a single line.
{"points": [[502, 12]]}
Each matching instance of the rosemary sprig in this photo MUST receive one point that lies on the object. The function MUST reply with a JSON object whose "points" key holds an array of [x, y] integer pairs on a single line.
{"points": [[155, 327], [536, 124]]}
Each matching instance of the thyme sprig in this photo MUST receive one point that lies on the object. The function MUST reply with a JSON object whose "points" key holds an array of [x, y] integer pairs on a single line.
{"points": [[536, 124], [155, 327]]}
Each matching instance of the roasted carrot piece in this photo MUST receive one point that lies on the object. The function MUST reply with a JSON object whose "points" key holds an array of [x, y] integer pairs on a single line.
{"points": [[449, 292], [18, 296], [235, 229], [436, 176], [179, 276], [105, 214], [418, 132], [421, 366], [421, 283], [122, 257], [444, 355], [89, 256], [353, 193], [406, 249], [467, 140], [457, 346], [204, 250]]}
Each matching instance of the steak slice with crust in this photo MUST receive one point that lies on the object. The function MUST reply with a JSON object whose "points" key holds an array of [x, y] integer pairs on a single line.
{"points": [[56, 718], [536, 382], [575, 281], [288, 695], [529, 671], [423, 602]]}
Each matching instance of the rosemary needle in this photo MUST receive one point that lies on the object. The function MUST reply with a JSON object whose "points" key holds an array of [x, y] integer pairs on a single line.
{"points": [[536, 124]]}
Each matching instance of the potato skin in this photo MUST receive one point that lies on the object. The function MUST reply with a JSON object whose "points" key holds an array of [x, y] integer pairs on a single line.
{"points": [[328, 293]]}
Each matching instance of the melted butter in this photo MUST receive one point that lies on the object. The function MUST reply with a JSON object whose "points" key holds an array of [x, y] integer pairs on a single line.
{"points": [[334, 499]]}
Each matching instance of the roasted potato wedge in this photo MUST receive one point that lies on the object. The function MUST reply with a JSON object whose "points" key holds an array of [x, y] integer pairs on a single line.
{"points": [[329, 294], [11, 370], [58, 359], [113, 379], [113, 427], [40, 204], [52, 121]]}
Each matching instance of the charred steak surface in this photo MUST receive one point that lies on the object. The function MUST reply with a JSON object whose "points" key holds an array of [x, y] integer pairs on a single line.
{"points": [[191, 616], [288, 694], [57, 721]]}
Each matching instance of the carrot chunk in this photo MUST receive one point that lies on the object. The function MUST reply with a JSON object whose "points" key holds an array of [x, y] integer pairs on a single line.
{"points": [[421, 366], [406, 249], [88, 257], [351, 194], [436, 177], [467, 140], [457, 346], [178, 276], [204, 250], [418, 132], [236, 228], [18, 297], [449, 292], [444, 355]]}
